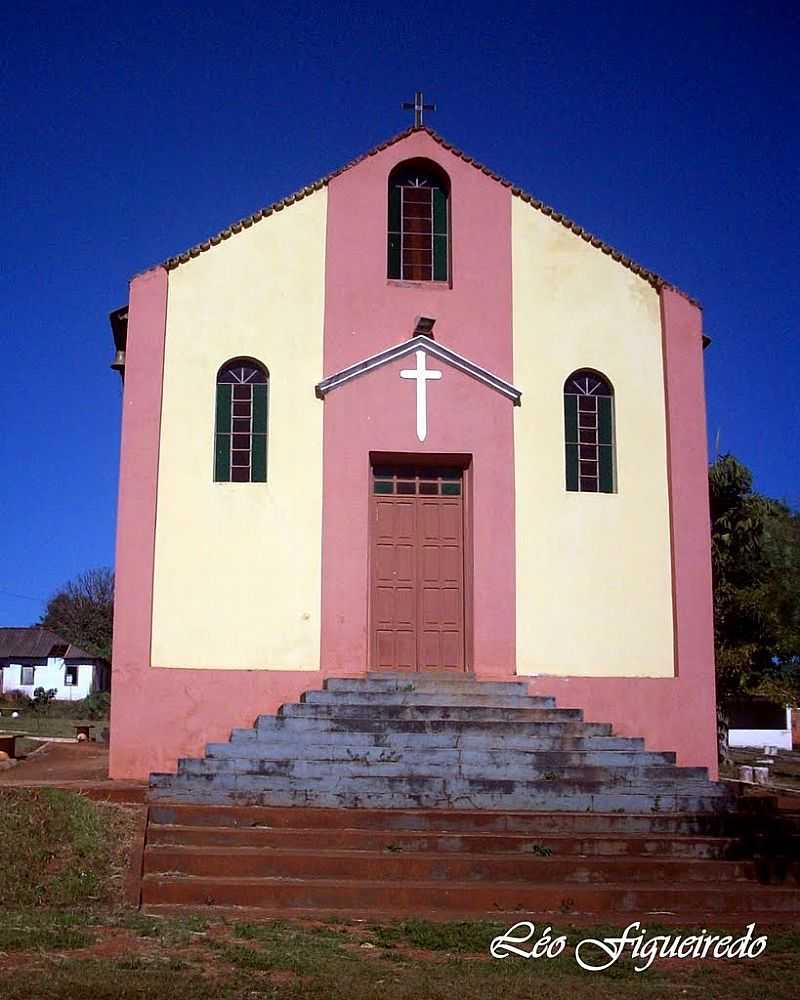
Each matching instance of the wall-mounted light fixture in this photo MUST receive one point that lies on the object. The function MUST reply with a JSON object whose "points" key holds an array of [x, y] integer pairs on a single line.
{"points": [[423, 326]]}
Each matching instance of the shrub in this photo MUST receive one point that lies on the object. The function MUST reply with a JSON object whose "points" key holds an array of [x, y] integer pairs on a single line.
{"points": [[41, 699], [14, 699], [97, 705]]}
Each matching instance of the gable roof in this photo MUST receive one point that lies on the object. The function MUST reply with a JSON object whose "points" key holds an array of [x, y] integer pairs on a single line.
{"points": [[37, 643], [420, 342], [236, 227]]}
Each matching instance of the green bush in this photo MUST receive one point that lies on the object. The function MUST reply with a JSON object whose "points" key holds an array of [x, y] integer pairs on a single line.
{"points": [[14, 699], [40, 702], [97, 705]]}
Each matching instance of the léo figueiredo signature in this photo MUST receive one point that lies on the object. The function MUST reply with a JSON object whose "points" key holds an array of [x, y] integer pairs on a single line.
{"points": [[599, 954]]}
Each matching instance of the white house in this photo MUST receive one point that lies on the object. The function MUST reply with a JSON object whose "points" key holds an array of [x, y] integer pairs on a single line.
{"points": [[760, 723], [31, 658]]}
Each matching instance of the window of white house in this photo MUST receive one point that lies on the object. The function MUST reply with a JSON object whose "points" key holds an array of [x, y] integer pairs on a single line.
{"points": [[26, 675], [70, 676]]}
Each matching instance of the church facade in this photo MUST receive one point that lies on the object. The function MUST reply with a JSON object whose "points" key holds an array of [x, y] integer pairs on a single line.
{"points": [[409, 419]]}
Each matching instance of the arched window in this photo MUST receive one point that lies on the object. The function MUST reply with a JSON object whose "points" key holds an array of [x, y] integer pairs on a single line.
{"points": [[589, 433], [419, 222], [240, 451]]}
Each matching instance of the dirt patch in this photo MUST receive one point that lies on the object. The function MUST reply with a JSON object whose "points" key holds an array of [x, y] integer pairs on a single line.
{"points": [[58, 762]]}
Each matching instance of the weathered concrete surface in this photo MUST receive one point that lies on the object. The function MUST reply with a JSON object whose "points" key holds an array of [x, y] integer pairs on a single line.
{"points": [[428, 742]]}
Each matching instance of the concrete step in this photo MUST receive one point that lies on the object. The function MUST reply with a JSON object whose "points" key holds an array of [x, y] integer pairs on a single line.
{"points": [[433, 713], [407, 898], [254, 862], [433, 699], [425, 682], [410, 842], [434, 793], [490, 758], [447, 765], [453, 821], [489, 736]]}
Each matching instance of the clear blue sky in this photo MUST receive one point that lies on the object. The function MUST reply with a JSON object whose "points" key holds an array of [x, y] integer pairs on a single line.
{"points": [[132, 131]]}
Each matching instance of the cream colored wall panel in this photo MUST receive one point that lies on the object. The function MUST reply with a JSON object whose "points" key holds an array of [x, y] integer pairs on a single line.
{"points": [[594, 580], [237, 565]]}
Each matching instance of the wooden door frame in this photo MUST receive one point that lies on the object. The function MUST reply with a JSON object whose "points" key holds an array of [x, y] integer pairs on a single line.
{"points": [[464, 462]]}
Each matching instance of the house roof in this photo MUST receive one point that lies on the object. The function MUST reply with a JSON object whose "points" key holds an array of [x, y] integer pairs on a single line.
{"points": [[35, 643], [236, 227], [420, 342]]}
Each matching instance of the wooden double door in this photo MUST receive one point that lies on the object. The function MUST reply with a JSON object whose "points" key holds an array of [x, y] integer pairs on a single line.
{"points": [[417, 609]]}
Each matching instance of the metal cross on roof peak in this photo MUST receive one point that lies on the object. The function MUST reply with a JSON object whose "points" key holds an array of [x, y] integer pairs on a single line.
{"points": [[418, 106]]}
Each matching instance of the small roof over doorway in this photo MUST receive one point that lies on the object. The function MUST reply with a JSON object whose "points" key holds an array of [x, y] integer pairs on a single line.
{"points": [[431, 347]]}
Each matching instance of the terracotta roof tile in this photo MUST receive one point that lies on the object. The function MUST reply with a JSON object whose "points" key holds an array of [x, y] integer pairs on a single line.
{"points": [[236, 227]]}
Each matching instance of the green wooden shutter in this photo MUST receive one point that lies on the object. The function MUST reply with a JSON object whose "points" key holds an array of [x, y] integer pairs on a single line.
{"points": [[393, 262], [572, 467], [571, 419], [440, 238], [258, 456], [259, 409], [222, 442], [605, 421], [222, 459], [606, 468], [394, 209], [440, 258], [258, 459], [439, 212], [605, 435], [223, 425]]}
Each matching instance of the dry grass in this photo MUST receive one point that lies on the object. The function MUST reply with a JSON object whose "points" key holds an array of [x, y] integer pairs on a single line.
{"points": [[58, 849], [123, 955]]}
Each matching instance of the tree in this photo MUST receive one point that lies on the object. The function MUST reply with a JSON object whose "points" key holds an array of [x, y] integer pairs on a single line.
{"points": [[782, 586], [82, 611], [755, 551]]}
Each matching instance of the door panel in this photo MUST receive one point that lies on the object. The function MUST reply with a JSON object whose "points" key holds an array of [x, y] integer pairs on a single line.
{"points": [[417, 570]]}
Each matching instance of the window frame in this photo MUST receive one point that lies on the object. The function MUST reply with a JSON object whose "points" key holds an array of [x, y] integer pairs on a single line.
{"points": [[22, 681], [70, 671], [233, 405], [590, 448], [425, 175]]}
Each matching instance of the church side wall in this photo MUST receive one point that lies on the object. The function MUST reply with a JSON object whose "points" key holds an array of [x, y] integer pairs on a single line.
{"points": [[594, 577], [226, 553]]}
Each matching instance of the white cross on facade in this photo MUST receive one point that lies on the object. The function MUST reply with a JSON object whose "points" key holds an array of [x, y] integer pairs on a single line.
{"points": [[422, 376]]}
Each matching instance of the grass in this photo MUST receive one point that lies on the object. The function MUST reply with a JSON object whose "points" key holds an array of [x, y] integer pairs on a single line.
{"points": [[58, 719], [186, 958], [200, 958], [43, 930], [45, 725], [60, 849], [455, 938], [64, 933]]}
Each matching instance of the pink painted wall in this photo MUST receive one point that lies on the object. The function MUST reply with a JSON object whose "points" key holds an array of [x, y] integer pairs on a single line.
{"points": [[365, 313], [161, 714], [158, 714], [377, 413], [671, 713]]}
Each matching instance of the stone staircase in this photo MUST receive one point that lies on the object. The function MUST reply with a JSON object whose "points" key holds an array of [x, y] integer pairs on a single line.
{"points": [[426, 741], [398, 795], [710, 869]]}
